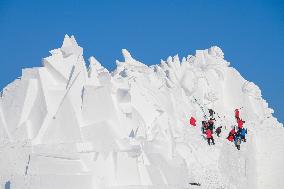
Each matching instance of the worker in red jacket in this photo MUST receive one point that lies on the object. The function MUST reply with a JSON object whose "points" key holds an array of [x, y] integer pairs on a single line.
{"points": [[230, 138], [240, 123], [233, 131], [232, 134], [192, 121], [209, 136], [237, 114]]}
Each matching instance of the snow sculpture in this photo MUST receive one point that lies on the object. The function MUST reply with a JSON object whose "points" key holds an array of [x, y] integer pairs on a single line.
{"points": [[216, 52], [64, 125], [251, 89]]}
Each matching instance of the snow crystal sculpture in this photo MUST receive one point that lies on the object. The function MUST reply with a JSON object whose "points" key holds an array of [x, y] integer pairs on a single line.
{"points": [[64, 125]]}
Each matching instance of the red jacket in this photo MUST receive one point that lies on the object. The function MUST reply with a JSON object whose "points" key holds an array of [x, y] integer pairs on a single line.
{"points": [[232, 132], [237, 113], [240, 123], [231, 138], [192, 121], [208, 133]]}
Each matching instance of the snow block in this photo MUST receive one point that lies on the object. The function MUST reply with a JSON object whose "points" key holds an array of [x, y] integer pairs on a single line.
{"points": [[127, 172], [145, 108], [97, 105], [37, 114], [4, 133], [63, 151], [58, 181], [103, 135], [123, 96], [43, 164], [63, 127], [13, 103]]}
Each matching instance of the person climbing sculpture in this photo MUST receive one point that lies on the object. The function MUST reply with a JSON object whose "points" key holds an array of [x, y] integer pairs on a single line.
{"points": [[204, 126], [238, 141], [237, 114], [231, 136], [240, 123], [209, 136], [211, 113], [243, 134], [211, 124], [192, 121], [218, 131]]}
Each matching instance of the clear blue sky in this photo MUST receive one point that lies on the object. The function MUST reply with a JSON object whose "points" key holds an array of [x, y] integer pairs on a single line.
{"points": [[251, 34]]}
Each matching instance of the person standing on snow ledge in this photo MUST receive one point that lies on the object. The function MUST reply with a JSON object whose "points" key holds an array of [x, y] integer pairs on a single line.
{"points": [[243, 134], [218, 131], [237, 114], [211, 124], [209, 136], [231, 136], [240, 123], [238, 141], [204, 126], [211, 113], [192, 121]]}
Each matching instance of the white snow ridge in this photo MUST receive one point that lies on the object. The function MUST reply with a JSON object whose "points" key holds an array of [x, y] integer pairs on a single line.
{"points": [[66, 126]]}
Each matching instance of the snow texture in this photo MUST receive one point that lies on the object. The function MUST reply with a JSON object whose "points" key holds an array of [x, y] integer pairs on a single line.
{"points": [[66, 125]]}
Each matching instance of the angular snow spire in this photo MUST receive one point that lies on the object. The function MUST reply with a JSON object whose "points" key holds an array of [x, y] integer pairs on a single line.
{"points": [[93, 61], [163, 64], [96, 65], [169, 59], [176, 58], [127, 56], [128, 60], [183, 61], [70, 46], [67, 41], [92, 71]]}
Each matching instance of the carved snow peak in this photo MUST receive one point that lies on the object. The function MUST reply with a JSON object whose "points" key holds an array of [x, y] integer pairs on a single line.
{"points": [[216, 51], [70, 46], [129, 60]]}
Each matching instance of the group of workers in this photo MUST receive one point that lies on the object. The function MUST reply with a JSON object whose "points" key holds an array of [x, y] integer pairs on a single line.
{"points": [[236, 135]]}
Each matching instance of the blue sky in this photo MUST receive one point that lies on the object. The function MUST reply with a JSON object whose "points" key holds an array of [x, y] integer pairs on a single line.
{"points": [[251, 34]]}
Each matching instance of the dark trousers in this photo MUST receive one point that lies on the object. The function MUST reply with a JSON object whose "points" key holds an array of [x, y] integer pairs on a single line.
{"points": [[218, 134], [212, 139], [238, 147]]}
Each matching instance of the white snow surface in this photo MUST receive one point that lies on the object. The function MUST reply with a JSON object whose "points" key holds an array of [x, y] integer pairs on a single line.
{"points": [[66, 125]]}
